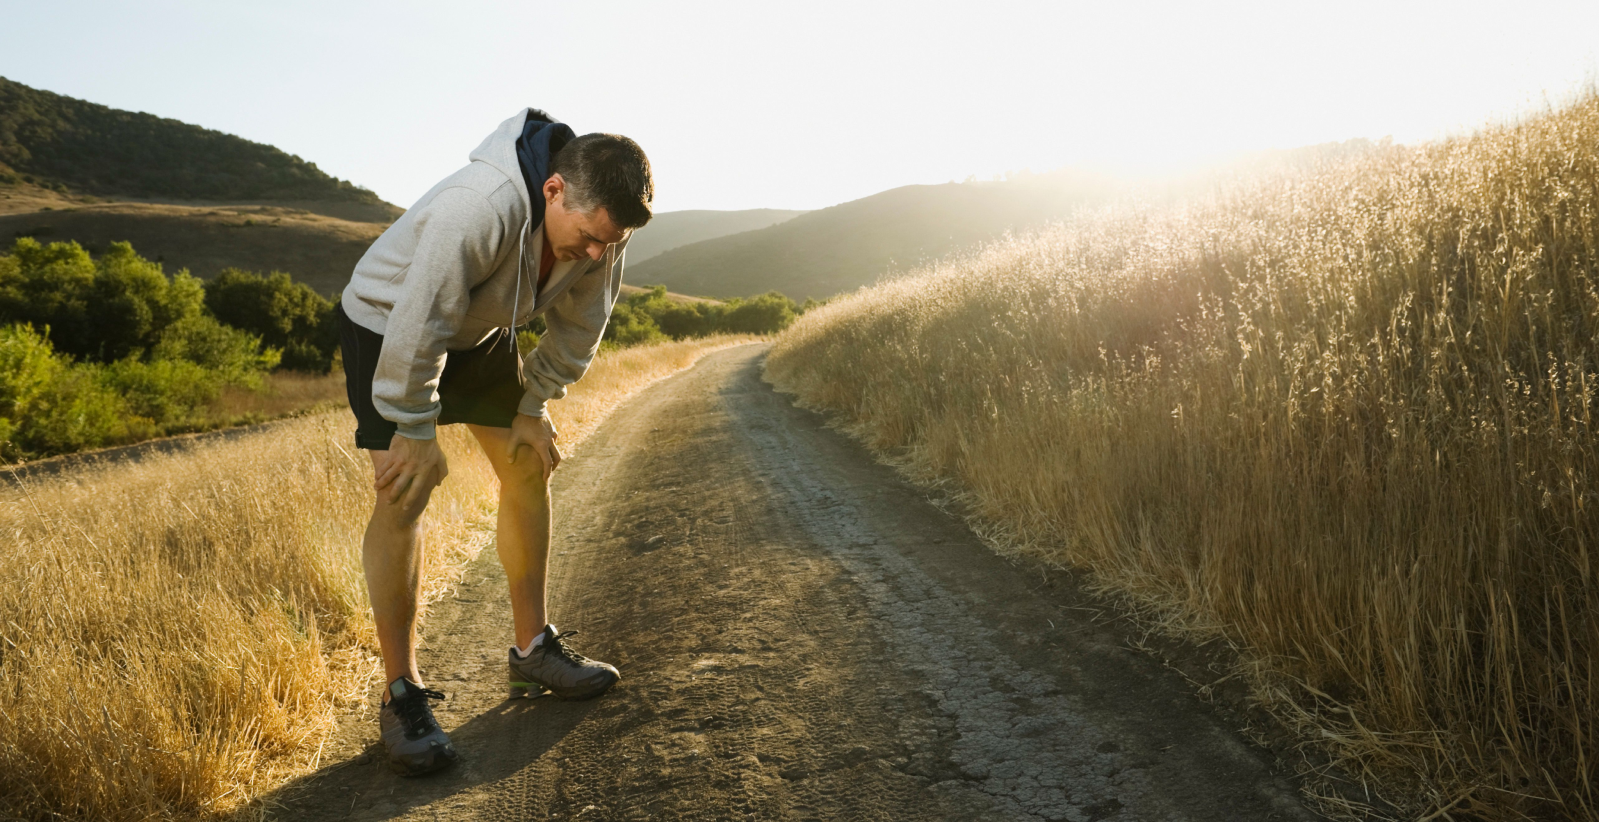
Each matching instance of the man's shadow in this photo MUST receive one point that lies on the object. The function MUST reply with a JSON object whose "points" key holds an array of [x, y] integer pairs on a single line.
{"points": [[492, 746]]}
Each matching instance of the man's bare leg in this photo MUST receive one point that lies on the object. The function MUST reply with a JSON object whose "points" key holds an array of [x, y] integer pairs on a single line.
{"points": [[391, 553], [522, 531]]}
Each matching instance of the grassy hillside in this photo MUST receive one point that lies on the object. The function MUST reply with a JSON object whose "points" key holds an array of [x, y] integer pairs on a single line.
{"points": [[822, 253], [638, 290], [183, 195], [70, 144], [671, 229], [1345, 418], [317, 250]]}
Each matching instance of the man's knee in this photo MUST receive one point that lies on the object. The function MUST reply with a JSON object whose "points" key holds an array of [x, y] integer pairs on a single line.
{"points": [[526, 475], [399, 513]]}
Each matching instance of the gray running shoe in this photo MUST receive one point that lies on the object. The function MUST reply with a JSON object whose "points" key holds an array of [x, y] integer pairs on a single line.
{"points": [[411, 737], [553, 666]]}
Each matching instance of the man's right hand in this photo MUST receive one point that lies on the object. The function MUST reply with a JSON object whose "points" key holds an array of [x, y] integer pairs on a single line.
{"points": [[409, 468]]}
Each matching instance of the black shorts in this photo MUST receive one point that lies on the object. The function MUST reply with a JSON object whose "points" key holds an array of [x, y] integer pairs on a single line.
{"points": [[481, 386]]}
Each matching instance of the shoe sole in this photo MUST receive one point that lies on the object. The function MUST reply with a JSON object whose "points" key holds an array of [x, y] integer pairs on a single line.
{"points": [[438, 762], [533, 690]]}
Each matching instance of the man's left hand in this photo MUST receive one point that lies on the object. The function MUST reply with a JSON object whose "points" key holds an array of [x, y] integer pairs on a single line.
{"points": [[538, 435]]}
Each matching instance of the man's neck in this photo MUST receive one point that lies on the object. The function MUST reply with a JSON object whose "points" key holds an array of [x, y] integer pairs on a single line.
{"points": [[546, 262]]}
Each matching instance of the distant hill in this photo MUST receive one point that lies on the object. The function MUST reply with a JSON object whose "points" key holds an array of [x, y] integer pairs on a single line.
{"points": [[825, 252], [634, 291], [671, 229], [70, 145], [317, 250]]}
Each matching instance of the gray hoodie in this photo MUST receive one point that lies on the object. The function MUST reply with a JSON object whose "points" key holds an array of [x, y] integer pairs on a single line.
{"points": [[454, 267]]}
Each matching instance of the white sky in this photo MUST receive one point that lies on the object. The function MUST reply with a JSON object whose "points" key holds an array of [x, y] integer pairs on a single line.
{"points": [[804, 105]]}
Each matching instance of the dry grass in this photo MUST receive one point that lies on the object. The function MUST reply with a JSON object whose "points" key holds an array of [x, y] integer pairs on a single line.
{"points": [[282, 393], [177, 635], [1345, 418]]}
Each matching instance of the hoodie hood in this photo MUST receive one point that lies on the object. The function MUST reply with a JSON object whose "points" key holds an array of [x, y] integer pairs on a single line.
{"points": [[543, 137]]}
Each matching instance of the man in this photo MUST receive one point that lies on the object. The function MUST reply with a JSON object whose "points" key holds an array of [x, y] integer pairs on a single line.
{"points": [[534, 225]]}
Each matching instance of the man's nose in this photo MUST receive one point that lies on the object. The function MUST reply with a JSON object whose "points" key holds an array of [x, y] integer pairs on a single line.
{"points": [[596, 251]]}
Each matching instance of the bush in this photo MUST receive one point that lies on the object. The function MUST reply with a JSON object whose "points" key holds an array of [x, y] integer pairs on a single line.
{"points": [[233, 355], [164, 391], [104, 310], [99, 351], [629, 326], [48, 405], [283, 313], [27, 368], [767, 314]]}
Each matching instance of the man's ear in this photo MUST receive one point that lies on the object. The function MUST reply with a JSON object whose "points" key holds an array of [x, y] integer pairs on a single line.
{"points": [[553, 187]]}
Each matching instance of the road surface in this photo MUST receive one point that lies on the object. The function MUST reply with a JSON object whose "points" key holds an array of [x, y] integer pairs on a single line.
{"points": [[801, 635]]}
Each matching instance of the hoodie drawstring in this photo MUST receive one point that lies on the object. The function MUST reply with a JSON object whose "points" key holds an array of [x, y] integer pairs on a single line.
{"points": [[521, 261]]}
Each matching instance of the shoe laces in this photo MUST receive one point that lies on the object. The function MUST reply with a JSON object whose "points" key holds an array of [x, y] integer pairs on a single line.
{"points": [[414, 710], [557, 645]]}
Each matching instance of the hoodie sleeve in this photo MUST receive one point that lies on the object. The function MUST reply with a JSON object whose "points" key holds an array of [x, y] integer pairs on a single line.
{"points": [[573, 328], [459, 234]]}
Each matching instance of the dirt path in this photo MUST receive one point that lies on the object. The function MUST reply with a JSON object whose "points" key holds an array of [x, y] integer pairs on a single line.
{"points": [[801, 636]]}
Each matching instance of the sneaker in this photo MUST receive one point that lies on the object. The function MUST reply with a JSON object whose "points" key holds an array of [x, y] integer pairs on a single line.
{"points": [[553, 666], [412, 739]]}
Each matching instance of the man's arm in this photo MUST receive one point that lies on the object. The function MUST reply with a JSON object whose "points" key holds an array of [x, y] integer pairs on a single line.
{"points": [[459, 234], [574, 326]]}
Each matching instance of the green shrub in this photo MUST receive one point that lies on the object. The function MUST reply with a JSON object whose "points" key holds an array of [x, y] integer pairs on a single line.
{"points": [[27, 368], [104, 310], [767, 314], [526, 340], [629, 326], [285, 314], [234, 356], [164, 392]]}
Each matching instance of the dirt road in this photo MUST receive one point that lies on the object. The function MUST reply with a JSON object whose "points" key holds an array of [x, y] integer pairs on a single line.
{"points": [[801, 636]]}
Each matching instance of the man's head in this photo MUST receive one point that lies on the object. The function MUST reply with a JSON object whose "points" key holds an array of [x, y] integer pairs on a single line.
{"points": [[599, 190]]}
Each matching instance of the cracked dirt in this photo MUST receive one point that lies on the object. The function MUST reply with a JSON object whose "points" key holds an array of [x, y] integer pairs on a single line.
{"points": [[801, 635]]}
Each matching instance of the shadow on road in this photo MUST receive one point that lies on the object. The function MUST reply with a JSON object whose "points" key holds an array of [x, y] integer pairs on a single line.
{"points": [[517, 731]]}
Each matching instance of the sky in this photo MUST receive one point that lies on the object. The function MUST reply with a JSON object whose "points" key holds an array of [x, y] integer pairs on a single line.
{"points": [[805, 105]]}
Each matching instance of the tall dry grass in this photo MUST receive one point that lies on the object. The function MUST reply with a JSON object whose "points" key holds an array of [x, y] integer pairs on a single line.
{"points": [[1345, 417], [177, 635]]}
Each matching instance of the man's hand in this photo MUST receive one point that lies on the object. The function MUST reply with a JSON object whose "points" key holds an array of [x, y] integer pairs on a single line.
{"points": [[537, 434], [410, 467]]}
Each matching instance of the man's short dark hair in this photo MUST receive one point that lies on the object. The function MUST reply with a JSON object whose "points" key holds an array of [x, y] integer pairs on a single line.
{"points": [[607, 171]]}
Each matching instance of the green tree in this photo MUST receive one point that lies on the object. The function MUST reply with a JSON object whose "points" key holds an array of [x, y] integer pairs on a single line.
{"points": [[103, 310], [48, 405], [283, 313], [767, 314], [630, 326]]}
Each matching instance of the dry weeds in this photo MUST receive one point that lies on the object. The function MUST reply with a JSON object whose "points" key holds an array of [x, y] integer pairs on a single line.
{"points": [[1344, 417], [177, 635]]}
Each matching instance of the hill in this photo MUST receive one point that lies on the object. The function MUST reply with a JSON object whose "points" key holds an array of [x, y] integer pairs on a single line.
{"points": [[671, 229], [315, 249], [635, 290], [825, 252], [72, 145]]}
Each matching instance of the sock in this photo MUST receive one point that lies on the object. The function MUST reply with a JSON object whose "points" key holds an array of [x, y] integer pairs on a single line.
{"points": [[537, 641]]}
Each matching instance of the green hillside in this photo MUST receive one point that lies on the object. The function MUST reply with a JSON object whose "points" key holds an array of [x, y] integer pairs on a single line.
{"points": [[73, 145], [832, 250], [671, 229]]}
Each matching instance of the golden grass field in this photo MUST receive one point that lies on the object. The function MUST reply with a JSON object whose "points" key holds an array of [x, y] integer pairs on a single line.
{"points": [[178, 634], [1345, 418]]}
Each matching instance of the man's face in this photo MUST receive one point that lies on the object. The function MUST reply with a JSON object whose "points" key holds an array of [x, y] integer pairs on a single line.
{"points": [[573, 234]]}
